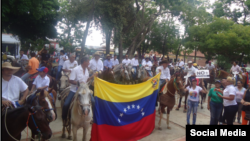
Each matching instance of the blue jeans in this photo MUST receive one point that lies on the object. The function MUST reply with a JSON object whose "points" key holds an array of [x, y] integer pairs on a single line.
{"points": [[67, 104], [150, 73], [161, 82], [192, 106], [25, 76], [236, 80], [215, 111], [134, 75], [58, 74]]}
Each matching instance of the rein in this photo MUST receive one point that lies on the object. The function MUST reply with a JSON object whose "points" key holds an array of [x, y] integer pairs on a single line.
{"points": [[30, 114]]}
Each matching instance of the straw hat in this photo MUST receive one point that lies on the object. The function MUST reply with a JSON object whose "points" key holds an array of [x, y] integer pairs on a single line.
{"points": [[9, 66], [190, 62], [108, 55], [146, 56], [96, 53]]}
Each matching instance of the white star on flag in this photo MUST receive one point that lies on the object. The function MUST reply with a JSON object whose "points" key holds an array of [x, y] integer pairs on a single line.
{"points": [[142, 113], [141, 109], [119, 120], [121, 114], [133, 106], [138, 107], [125, 110], [128, 107]]}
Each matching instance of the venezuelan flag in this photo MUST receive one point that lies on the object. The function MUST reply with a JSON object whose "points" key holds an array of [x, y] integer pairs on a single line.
{"points": [[124, 112]]}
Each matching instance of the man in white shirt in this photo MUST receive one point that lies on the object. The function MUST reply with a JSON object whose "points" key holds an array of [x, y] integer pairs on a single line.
{"points": [[115, 61], [126, 60], [23, 56], [78, 74], [62, 59], [12, 86], [181, 64], [165, 73], [147, 64], [68, 65], [42, 81], [95, 64], [235, 68], [135, 65], [190, 70]]}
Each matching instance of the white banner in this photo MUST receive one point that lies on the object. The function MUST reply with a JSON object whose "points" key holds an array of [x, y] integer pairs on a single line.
{"points": [[202, 74]]}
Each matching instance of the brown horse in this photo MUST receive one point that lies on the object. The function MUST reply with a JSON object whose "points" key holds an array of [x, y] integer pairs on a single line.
{"points": [[220, 74], [168, 99], [47, 101], [16, 120]]}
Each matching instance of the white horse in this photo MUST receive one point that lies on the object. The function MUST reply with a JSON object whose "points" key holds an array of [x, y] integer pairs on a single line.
{"points": [[81, 112], [64, 80]]}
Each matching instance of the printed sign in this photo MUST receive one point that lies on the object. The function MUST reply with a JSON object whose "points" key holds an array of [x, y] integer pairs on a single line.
{"points": [[202, 74]]}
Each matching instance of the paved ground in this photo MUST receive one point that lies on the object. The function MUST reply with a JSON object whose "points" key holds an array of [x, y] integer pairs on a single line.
{"points": [[176, 133]]}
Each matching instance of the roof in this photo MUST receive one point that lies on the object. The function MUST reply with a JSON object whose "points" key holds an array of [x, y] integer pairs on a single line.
{"points": [[8, 38]]}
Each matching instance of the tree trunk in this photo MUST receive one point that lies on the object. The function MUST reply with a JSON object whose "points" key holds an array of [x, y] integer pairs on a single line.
{"points": [[120, 49], [178, 50], [164, 44], [195, 51], [108, 36], [86, 32]]}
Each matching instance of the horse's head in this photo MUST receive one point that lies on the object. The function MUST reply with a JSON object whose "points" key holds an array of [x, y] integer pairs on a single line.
{"points": [[139, 73], [44, 100], [179, 84], [84, 99], [39, 122]]}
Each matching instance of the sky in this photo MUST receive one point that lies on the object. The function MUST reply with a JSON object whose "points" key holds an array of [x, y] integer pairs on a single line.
{"points": [[95, 38]]}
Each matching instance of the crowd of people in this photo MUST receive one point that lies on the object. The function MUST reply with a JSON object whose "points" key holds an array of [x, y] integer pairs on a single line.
{"points": [[233, 100]]}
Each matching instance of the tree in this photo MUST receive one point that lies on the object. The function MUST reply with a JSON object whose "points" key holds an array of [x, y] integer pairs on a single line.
{"points": [[30, 19]]}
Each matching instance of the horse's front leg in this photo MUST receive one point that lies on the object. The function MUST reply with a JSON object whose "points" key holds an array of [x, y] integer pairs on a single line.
{"points": [[85, 130], [74, 128], [69, 136]]}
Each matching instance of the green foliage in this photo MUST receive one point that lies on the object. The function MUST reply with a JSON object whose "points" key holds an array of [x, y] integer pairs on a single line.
{"points": [[30, 19]]}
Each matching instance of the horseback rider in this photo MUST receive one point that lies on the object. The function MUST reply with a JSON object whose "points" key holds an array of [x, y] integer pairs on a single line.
{"points": [[12, 86], [190, 70], [62, 59], [135, 64], [41, 81], [32, 66], [68, 65], [115, 61], [44, 56], [181, 64], [165, 73], [126, 60], [78, 74], [235, 68], [148, 64], [23, 56], [95, 64], [108, 63]]}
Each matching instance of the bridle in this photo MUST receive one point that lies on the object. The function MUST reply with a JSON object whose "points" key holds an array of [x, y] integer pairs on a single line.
{"points": [[30, 114], [79, 112]]}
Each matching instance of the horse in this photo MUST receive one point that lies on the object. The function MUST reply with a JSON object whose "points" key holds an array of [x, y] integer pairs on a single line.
{"points": [[167, 99], [47, 101], [15, 120], [80, 113], [220, 74], [64, 81]]}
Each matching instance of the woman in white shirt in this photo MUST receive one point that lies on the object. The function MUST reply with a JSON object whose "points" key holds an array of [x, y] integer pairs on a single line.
{"points": [[147, 64], [229, 101], [240, 90], [193, 99]]}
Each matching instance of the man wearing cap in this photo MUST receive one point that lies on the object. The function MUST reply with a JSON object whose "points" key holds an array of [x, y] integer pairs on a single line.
{"points": [[42, 80], [147, 64], [96, 64], [68, 65], [190, 70], [12, 86], [165, 72], [135, 64], [32, 66], [79, 74], [115, 61], [108, 63], [235, 68], [126, 60]]}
